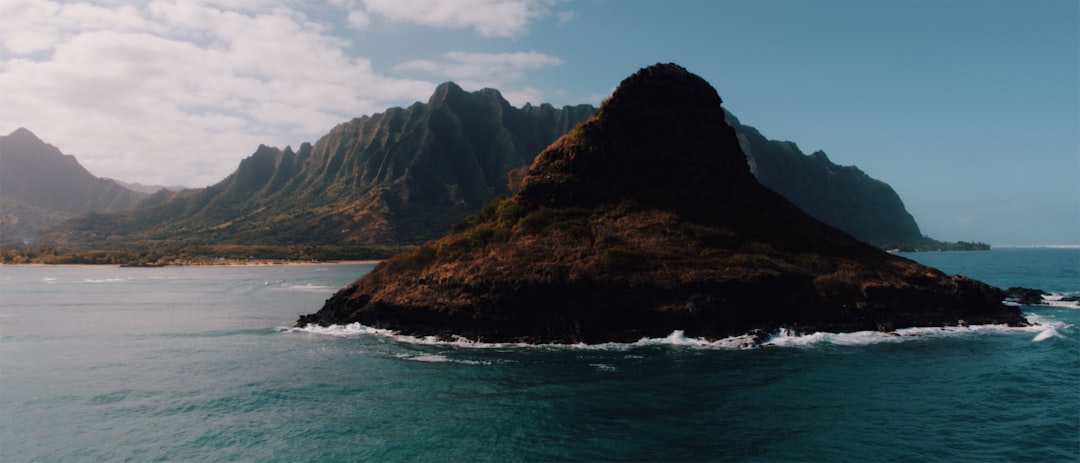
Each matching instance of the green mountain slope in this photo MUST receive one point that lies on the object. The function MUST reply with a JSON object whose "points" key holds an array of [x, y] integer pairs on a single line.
{"points": [[398, 177]]}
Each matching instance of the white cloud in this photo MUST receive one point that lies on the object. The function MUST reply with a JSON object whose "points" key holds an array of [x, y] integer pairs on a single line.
{"points": [[358, 19], [490, 18], [175, 91], [460, 65], [520, 96], [496, 70]]}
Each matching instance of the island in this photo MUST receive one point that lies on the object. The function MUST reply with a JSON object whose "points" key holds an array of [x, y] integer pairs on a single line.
{"points": [[643, 220]]}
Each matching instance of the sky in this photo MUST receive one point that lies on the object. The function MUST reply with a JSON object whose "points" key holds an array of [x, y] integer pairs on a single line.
{"points": [[970, 110]]}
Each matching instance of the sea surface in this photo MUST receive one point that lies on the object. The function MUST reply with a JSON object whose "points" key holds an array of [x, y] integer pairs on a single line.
{"points": [[200, 364]]}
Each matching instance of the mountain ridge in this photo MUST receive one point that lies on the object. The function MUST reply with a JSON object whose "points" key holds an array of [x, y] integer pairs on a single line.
{"points": [[405, 175], [400, 176]]}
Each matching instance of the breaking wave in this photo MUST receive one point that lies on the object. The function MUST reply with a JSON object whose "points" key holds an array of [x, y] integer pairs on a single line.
{"points": [[1043, 329], [1061, 300]]}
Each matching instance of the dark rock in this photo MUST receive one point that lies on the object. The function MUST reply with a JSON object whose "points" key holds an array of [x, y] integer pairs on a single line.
{"points": [[644, 220], [1026, 296]]}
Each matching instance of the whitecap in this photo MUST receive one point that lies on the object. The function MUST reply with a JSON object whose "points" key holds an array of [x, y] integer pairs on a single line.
{"points": [[1058, 300], [676, 338], [105, 280], [1043, 328], [1047, 334], [352, 329], [604, 367], [436, 358], [306, 287]]}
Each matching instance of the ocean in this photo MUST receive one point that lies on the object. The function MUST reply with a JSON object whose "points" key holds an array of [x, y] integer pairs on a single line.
{"points": [[200, 364]]}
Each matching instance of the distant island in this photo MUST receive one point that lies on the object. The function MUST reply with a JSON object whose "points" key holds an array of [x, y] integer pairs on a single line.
{"points": [[644, 220]]}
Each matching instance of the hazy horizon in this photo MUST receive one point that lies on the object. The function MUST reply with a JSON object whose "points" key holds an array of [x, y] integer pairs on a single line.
{"points": [[968, 110]]}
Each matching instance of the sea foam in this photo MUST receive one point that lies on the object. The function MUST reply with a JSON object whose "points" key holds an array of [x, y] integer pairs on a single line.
{"points": [[1058, 300], [306, 287], [1042, 327]]}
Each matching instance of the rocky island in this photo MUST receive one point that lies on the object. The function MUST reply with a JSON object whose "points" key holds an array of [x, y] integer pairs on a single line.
{"points": [[643, 220]]}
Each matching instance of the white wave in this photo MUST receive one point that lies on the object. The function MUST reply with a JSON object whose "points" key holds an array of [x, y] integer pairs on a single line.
{"points": [[1042, 327], [352, 329], [105, 280], [1047, 334], [676, 338], [356, 329], [1046, 328], [435, 358], [1057, 300], [604, 367], [306, 287]]}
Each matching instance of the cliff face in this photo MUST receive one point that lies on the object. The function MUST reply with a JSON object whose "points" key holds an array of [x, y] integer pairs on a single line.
{"points": [[41, 186], [841, 196], [398, 177], [643, 220]]}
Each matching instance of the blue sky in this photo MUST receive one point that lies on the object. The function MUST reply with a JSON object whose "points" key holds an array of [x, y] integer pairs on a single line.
{"points": [[970, 110]]}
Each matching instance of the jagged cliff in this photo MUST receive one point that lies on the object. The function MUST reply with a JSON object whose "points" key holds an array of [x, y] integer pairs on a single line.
{"points": [[41, 186], [407, 174], [841, 196], [643, 220], [397, 177]]}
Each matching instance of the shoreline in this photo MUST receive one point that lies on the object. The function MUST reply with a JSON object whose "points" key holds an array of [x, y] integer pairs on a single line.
{"points": [[781, 337]]}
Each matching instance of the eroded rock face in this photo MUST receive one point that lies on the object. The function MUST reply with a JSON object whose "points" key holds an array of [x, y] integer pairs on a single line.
{"points": [[641, 221]]}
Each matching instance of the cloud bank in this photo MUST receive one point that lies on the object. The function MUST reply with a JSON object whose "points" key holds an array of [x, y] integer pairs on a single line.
{"points": [[177, 91]]}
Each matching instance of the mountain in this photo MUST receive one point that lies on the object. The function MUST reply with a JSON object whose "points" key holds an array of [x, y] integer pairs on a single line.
{"points": [[642, 221], [41, 186], [406, 175], [841, 196], [397, 177]]}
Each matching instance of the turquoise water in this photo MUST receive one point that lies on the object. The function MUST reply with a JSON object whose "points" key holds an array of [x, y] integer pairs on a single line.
{"points": [[181, 364]]}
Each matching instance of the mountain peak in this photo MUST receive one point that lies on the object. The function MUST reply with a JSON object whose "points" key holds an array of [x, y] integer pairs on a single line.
{"points": [[662, 129], [445, 91], [24, 134], [451, 94]]}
